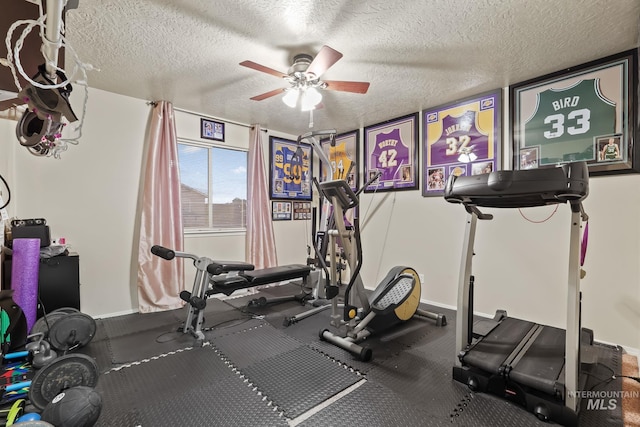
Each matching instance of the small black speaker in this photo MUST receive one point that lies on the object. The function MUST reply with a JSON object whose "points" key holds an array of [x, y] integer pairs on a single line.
{"points": [[32, 232]]}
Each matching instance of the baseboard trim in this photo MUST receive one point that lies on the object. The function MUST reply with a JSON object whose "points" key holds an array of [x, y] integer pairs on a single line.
{"points": [[116, 314]]}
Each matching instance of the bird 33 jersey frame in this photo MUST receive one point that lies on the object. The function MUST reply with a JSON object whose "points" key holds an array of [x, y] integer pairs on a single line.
{"points": [[583, 113]]}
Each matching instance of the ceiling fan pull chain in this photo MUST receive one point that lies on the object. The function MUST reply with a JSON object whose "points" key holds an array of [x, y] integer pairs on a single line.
{"points": [[310, 118]]}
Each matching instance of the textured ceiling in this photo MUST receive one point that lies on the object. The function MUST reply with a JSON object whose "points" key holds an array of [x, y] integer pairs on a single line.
{"points": [[416, 54]]}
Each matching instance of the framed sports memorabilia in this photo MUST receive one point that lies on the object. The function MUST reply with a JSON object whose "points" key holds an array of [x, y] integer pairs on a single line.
{"points": [[343, 153], [291, 169], [584, 113], [301, 210], [210, 129], [461, 138], [280, 211], [391, 154]]}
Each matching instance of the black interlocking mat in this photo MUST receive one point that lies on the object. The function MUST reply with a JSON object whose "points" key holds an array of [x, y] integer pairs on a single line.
{"points": [[226, 402], [138, 336], [371, 405], [253, 371], [101, 352], [232, 327], [185, 388], [134, 323], [148, 343], [299, 379], [428, 384], [219, 314], [253, 344], [101, 331]]}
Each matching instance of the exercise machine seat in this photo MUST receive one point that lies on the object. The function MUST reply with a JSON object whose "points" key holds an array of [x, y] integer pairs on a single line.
{"points": [[248, 279], [277, 274]]}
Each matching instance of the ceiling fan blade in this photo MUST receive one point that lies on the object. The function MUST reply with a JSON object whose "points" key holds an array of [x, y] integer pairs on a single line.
{"points": [[267, 94], [8, 103], [355, 87], [258, 67], [323, 61]]}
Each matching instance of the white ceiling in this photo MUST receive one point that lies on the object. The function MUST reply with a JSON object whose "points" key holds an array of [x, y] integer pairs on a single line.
{"points": [[416, 54]]}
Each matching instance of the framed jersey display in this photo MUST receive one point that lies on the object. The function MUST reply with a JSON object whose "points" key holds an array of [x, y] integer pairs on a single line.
{"points": [[291, 169], [584, 113], [391, 152], [461, 138], [343, 153]]}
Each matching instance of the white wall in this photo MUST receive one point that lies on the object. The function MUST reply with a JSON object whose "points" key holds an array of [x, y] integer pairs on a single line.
{"points": [[90, 197], [519, 266]]}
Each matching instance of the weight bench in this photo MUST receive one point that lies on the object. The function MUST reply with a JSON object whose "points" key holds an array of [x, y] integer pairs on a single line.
{"points": [[226, 277]]}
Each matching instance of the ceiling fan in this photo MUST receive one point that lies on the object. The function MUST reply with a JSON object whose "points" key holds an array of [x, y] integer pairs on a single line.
{"points": [[304, 78]]}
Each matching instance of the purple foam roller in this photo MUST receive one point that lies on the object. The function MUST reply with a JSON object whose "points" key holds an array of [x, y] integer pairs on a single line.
{"points": [[25, 266]]}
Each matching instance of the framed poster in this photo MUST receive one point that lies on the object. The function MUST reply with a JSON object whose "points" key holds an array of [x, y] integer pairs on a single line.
{"points": [[461, 138], [210, 129], [391, 151], [280, 211], [343, 153], [291, 169], [584, 113]]}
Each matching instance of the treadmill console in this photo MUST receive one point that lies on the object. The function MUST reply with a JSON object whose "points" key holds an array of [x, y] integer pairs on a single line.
{"points": [[521, 188]]}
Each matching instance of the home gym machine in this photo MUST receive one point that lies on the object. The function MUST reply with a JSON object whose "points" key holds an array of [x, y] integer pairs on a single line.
{"points": [[534, 365], [225, 277], [394, 300]]}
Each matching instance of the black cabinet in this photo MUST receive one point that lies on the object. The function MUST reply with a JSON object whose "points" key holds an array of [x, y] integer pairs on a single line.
{"points": [[58, 282]]}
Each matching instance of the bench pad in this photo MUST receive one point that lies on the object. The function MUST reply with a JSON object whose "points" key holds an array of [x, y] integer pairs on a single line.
{"points": [[277, 274]]}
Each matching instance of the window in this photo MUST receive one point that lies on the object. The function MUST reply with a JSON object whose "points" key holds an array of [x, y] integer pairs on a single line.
{"points": [[213, 187]]}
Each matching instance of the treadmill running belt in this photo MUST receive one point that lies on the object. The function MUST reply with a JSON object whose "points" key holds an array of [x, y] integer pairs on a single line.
{"points": [[541, 366], [491, 351]]}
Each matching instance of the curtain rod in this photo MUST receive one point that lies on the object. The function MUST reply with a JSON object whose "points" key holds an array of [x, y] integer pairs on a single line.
{"points": [[211, 117]]}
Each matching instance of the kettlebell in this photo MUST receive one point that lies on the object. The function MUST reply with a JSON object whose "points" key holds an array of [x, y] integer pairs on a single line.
{"points": [[43, 355]]}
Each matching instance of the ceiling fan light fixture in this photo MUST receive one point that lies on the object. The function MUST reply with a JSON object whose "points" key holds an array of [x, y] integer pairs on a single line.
{"points": [[291, 97], [310, 98]]}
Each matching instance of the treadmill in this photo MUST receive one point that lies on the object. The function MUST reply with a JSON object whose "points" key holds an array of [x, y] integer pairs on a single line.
{"points": [[534, 365]]}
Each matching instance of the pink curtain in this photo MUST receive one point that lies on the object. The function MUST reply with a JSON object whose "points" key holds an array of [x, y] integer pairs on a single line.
{"points": [[261, 242], [160, 281]]}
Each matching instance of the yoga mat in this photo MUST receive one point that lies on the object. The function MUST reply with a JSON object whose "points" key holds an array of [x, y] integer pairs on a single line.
{"points": [[25, 266]]}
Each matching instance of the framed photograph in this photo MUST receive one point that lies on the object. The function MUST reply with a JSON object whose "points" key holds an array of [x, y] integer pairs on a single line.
{"points": [[302, 210], [210, 129], [391, 154], [343, 153], [583, 113], [461, 138], [280, 211], [291, 169]]}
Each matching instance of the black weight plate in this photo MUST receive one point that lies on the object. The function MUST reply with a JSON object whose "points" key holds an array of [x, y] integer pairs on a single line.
{"points": [[74, 329], [64, 372], [41, 326], [66, 310]]}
